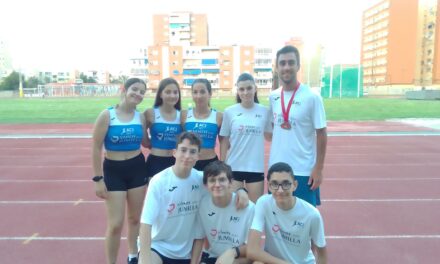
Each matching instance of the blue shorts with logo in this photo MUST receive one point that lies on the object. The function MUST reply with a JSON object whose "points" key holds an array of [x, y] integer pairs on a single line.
{"points": [[303, 191]]}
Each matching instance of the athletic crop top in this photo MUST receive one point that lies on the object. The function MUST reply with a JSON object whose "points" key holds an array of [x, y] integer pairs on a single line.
{"points": [[206, 129], [164, 133], [123, 136]]}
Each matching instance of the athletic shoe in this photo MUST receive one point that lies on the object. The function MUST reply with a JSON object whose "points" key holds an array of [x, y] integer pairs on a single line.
{"points": [[132, 261]]}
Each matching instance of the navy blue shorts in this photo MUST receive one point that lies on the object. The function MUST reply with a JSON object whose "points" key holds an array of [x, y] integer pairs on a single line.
{"points": [[206, 259], [166, 260], [201, 164], [248, 177], [303, 191], [122, 175], [156, 164]]}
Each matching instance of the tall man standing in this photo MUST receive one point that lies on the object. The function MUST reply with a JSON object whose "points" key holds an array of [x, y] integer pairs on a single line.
{"points": [[299, 127]]}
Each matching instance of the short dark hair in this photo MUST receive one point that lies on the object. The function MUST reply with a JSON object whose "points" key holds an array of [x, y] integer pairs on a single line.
{"points": [[246, 77], [205, 82], [164, 83], [193, 138], [288, 49], [215, 168], [132, 81], [280, 167]]}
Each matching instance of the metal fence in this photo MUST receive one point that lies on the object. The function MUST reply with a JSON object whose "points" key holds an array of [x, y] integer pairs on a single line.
{"points": [[72, 90]]}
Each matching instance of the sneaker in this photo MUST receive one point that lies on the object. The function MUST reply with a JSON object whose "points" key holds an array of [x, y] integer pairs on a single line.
{"points": [[132, 261]]}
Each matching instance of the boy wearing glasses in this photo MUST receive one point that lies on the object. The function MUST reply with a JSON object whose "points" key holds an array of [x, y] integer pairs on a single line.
{"points": [[224, 226], [290, 224]]}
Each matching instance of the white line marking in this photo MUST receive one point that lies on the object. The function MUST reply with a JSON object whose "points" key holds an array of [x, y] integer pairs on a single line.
{"points": [[403, 200], [384, 200], [42, 181], [385, 237], [380, 179], [49, 202], [436, 236], [43, 166], [326, 179]]}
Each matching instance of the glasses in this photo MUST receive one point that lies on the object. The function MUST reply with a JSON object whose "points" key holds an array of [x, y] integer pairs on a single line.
{"points": [[285, 185]]}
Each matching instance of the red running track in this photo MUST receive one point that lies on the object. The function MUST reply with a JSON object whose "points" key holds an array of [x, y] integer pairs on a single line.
{"points": [[381, 201]]}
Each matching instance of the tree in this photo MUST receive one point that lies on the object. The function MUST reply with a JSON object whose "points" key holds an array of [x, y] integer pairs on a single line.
{"points": [[87, 79], [32, 82], [11, 82]]}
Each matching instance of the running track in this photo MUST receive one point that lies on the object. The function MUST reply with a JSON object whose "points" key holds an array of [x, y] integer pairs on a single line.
{"points": [[381, 195]]}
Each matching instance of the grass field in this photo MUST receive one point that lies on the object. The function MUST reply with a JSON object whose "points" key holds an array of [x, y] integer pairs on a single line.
{"points": [[85, 109]]}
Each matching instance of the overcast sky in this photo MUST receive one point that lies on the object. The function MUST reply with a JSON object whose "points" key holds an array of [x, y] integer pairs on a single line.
{"points": [[91, 34]]}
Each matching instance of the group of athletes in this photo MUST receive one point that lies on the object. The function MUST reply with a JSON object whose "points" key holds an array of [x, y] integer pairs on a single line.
{"points": [[201, 207]]}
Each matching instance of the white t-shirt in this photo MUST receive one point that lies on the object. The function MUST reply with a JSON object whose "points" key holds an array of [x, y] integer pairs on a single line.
{"points": [[245, 129], [224, 228], [296, 146], [171, 207], [288, 233]]}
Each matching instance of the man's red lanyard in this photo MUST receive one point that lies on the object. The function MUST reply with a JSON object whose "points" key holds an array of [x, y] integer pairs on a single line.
{"points": [[286, 123]]}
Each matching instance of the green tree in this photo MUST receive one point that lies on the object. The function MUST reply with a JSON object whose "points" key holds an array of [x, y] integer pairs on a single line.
{"points": [[32, 82], [11, 82], [87, 79]]}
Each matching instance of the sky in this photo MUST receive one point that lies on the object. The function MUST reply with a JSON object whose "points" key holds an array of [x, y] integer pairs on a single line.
{"points": [[87, 35]]}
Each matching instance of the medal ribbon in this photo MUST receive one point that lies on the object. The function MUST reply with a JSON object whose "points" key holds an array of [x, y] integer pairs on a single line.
{"points": [[289, 104]]}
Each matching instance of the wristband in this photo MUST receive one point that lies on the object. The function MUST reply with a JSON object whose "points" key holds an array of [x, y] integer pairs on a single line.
{"points": [[237, 251], [97, 178]]}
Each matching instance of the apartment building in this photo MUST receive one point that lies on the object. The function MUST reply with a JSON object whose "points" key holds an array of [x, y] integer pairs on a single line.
{"points": [[390, 43], [180, 28]]}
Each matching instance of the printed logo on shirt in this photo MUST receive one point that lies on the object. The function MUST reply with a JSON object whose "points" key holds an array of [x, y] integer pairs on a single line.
{"points": [[114, 139], [213, 232], [234, 219], [159, 136], [273, 212], [127, 131], [239, 114], [258, 116], [200, 125], [171, 129], [172, 188], [195, 187], [171, 207], [297, 103], [287, 237], [298, 224], [157, 117], [211, 214], [276, 98], [249, 130], [113, 118], [190, 116]]}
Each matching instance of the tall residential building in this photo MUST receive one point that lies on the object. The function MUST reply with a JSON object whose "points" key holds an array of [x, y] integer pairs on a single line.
{"points": [[221, 65], [180, 28], [389, 46]]}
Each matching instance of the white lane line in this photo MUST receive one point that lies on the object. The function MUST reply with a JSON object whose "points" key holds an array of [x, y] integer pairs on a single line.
{"points": [[383, 200], [326, 179], [81, 201], [38, 238], [380, 179], [42, 181], [386, 237], [16, 166], [50, 202]]}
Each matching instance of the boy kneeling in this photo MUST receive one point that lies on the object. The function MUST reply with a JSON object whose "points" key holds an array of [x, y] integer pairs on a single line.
{"points": [[290, 223]]}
